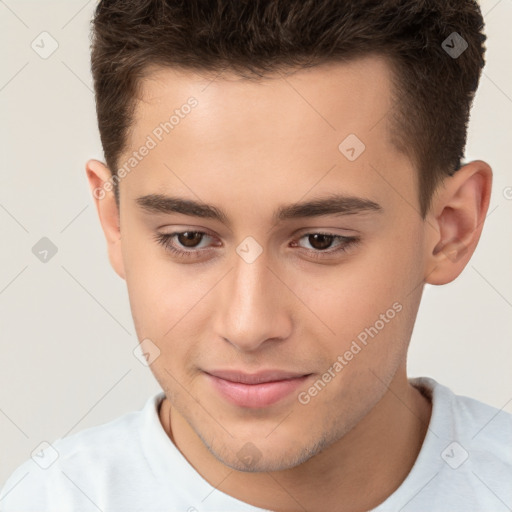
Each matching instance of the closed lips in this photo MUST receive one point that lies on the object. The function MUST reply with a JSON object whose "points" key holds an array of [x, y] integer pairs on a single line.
{"points": [[256, 378], [255, 390]]}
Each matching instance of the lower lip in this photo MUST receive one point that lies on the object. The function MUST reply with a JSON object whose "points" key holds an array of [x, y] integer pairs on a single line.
{"points": [[255, 395]]}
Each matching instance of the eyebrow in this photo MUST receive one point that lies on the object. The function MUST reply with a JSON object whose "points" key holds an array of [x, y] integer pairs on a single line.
{"points": [[334, 204]]}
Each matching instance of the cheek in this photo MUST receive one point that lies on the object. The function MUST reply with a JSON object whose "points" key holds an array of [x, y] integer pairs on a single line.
{"points": [[367, 300], [367, 284], [157, 290], [163, 298]]}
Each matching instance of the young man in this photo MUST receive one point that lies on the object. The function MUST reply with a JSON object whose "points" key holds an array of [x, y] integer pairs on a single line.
{"points": [[281, 180]]}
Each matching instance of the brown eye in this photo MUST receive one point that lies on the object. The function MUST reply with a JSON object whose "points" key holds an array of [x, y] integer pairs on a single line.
{"points": [[189, 238], [320, 241], [187, 244], [326, 245]]}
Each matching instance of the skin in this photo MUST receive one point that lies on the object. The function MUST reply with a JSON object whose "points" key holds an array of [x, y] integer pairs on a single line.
{"points": [[248, 148]]}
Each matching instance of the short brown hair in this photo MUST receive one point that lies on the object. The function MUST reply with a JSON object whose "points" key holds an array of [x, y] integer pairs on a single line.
{"points": [[433, 90]]}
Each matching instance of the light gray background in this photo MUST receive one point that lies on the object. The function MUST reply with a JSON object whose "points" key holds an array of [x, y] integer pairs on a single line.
{"points": [[66, 330]]}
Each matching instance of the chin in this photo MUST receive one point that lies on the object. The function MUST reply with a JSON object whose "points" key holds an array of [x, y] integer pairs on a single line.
{"points": [[265, 456]]}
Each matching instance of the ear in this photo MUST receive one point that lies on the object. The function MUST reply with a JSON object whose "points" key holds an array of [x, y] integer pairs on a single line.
{"points": [[100, 183], [457, 215]]}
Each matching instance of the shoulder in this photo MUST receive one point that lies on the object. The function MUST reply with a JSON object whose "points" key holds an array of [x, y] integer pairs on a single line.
{"points": [[472, 442], [54, 469], [486, 432], [465, 462], [482, 423], [479, 424]]}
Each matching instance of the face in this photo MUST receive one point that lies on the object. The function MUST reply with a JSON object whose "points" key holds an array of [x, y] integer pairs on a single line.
{"points": [[300, 263]]}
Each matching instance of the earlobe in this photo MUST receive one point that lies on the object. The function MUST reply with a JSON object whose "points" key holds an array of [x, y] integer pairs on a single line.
{"points": [[100, 183], [456, 220]]}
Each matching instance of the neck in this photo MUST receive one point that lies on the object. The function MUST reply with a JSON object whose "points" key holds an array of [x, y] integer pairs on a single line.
{"points": [[360, 470]]}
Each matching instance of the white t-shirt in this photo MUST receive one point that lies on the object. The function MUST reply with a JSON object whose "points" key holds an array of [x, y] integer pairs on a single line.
{"points": [[130, 464]]}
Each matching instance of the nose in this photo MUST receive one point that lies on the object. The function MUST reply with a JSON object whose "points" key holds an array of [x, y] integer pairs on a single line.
{"points": [[253, 306]]}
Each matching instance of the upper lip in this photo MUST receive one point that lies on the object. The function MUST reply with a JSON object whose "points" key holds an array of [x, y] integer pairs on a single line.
{"points": [[255, 378]]}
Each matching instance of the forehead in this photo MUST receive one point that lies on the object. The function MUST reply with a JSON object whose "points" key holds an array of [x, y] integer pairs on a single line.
{"points": [[333, 96], [276, 132]]}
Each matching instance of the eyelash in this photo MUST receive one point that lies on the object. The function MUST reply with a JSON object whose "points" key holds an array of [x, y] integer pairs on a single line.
{"points": [[164, 239]]}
